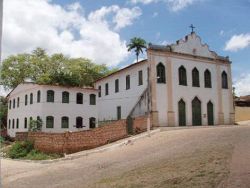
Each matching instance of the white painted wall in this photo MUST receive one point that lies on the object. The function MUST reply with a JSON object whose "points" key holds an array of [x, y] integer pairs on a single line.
{"points": [[107, 104], [56, 109]]}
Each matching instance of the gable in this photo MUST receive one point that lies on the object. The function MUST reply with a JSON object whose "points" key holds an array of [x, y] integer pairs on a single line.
{"points": [[192, 45]]}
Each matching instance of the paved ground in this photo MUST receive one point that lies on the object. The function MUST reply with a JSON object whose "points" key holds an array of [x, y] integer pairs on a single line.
{"points": [[197, 157]]}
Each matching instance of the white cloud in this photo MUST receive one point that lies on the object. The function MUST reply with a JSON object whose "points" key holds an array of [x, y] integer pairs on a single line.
{"points": [[242, 85], [29, 24], [222, 33], [238, 42], [174, 5], [155, 14]]}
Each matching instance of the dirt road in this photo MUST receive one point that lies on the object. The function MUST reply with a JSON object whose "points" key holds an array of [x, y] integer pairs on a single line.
{"points": [[198, 157]]}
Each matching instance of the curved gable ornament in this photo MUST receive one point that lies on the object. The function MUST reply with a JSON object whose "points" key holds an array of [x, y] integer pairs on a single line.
{"points": [[192, 45]]}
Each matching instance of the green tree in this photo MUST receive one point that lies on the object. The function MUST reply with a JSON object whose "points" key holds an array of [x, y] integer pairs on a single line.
{"points": [[55, 69], [137, 44], [3, 112]]}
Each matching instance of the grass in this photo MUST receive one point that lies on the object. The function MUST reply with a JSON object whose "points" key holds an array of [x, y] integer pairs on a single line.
{"points": [[202, 168], [25, 150]]}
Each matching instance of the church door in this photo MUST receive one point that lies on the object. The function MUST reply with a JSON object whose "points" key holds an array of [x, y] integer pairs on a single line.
{"points": [[196, 111], [182, 113], [210, 113]]}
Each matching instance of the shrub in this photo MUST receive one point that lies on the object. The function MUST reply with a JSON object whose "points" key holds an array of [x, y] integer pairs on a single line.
{"points": [[37, 155], [20, 149]]}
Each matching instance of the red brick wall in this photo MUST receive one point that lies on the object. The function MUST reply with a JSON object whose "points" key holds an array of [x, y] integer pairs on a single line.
{"points": [[71, 142]]}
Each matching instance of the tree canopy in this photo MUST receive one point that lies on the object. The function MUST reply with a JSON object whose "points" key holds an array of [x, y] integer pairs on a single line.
{"points": [[138, 44], [57, 69]]}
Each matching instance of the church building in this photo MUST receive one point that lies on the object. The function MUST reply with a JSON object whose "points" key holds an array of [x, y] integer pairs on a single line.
{"points": [[188, 85], [181, 84]]}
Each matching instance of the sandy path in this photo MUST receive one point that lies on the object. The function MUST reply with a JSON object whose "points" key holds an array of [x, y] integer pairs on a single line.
{"points": [[167, 145]]}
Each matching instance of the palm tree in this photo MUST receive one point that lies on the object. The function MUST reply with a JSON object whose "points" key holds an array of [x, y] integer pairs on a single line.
{"points": [[137, 44]]}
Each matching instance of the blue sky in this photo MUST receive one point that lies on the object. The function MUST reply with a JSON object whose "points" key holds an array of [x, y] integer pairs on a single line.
{"points": [[223, 25]]}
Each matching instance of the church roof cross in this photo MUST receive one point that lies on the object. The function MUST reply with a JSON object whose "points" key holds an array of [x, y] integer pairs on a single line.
{"points": [[192, 27]]}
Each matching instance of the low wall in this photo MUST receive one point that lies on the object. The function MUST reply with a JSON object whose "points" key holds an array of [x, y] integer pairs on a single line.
{"points": [[242, 113], [70, 142]]}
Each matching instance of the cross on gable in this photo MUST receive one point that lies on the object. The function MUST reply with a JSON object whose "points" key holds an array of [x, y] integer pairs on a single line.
{"points": [[192, 27]]}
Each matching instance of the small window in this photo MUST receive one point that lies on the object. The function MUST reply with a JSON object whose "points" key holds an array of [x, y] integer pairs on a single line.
{"points": [[26, 100], [17, 123], [92, 122], [119, 115], [10, 104], [116, 85], [224, 80], [196, 79], [65, 122], [13, 123], [127, 82], [50, 96], [182, 76], [49, 122], [106, 89], [161, 76], [14, 103], [18, 102], [99, 91], [92, 99], [65, 97], [207, 79], [9, 123], [79, 122], [38, 96], [140, 78], [25, 123], [31, 98], [79, 98]]}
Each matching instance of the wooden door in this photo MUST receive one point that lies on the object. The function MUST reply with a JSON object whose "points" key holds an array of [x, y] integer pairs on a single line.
{"points": [[182, 113], [210, 113], [196, 111]]}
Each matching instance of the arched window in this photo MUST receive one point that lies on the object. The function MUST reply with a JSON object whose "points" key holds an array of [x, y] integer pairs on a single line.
{"points": [[182, 112], [10, 104], [17, 123], [92, 99], [13, 123], [79, 98], [14, 103], [79, 122], [49, 122], [65, 97], [18, 101], [224, 80], [38, 96], [9, 123], [161, 77], [196, 79], [196, 111], [65, 122], [92, 122], [50, 96], [31, 98], [26, 100], [182, 76], [207, 79], [210, 113], [25, 123]]}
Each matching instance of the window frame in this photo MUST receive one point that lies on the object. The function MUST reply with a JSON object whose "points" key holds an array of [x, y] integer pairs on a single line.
{"points": [[65, 97], [118, 112], [224, 80], [127, 82], [25, 123], [161, 73], [117, 86], [77, 119], [26, 100], [99, 91], [92, 99], [65, 119], [106, 89], [140, 77], [14, 103], [18, 102], [182, 76], [38, 99], [207, 79], [31, 98], [50, 96], [195, 77], [79, 98], [49, 120]]}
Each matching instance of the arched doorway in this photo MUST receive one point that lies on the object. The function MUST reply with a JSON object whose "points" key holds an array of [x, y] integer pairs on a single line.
{"points": [[182, 112], [210, 113], [196, 111]]}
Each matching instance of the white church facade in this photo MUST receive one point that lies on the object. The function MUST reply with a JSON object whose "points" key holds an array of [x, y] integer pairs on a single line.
{"points": [[180, 84]]}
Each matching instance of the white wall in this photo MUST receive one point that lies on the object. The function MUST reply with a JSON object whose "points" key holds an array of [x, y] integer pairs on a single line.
{"points": [[56, 109], [107, 104]]}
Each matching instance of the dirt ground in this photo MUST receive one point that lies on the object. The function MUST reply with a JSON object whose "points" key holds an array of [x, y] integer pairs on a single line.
{"points": [[193, 157]]}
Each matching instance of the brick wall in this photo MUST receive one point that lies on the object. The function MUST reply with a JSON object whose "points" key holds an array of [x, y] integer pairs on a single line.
{"points": [[70, 142]]}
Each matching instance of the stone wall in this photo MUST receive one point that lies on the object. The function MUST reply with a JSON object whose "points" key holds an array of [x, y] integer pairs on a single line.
{"points": [[242, 113], [70, 142]]}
